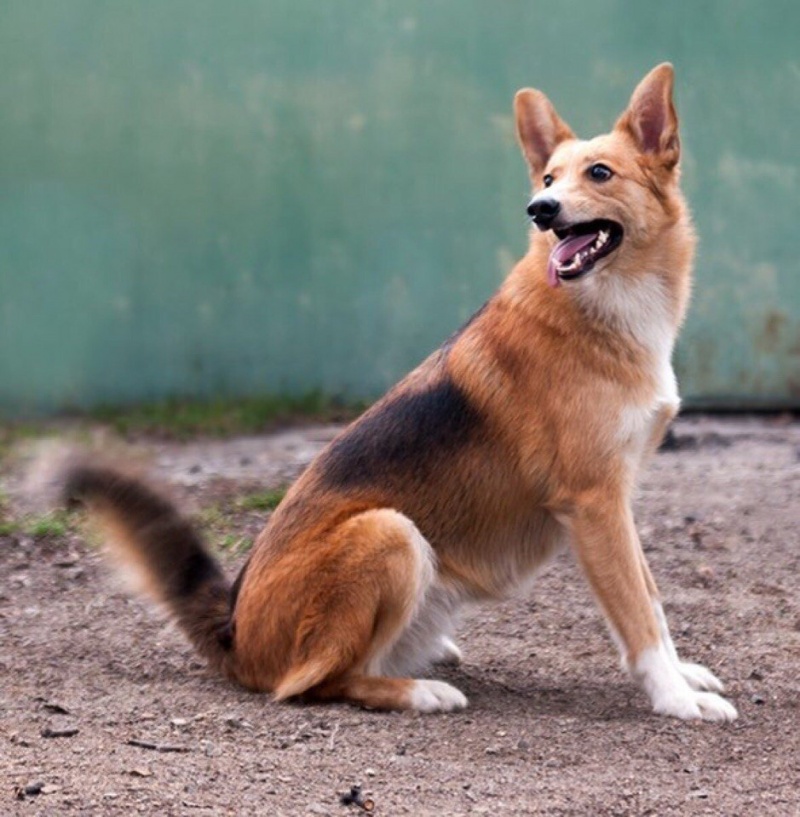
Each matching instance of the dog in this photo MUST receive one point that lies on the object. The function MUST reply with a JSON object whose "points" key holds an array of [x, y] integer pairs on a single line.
{"points": [[522, 435]]}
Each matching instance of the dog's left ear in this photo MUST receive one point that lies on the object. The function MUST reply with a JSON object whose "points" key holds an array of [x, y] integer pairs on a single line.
{"points": [[651, 119]]}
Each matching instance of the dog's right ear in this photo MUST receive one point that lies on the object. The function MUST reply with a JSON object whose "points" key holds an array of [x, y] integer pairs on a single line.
{"points": [[539, 129]]}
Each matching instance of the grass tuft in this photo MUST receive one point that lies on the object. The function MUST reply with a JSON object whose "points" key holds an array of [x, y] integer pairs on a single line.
{"points": [[235, 545], [183, 419], [262, 500], [49, 525], [8, 527], [223, 523]]}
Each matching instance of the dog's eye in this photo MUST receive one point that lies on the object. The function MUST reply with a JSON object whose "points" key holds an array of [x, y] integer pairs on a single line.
{"points": [[547, 180], [600, 173]]}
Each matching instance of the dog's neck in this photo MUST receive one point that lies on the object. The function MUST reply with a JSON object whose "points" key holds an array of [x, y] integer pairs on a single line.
{"points": [[641, 294], [641, 307]]}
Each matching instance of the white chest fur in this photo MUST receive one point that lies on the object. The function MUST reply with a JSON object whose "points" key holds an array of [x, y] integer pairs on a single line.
{"points": [[641, 309], [642, 426]]}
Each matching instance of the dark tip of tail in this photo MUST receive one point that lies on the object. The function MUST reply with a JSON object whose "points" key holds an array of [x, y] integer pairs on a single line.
{"points": [[180, 571]]}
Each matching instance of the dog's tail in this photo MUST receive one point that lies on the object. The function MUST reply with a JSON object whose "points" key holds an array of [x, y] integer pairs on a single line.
{"points": [[150, 536]]}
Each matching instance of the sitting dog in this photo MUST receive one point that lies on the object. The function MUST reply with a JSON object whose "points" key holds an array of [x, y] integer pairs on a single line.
{"points": [[522, 435]]}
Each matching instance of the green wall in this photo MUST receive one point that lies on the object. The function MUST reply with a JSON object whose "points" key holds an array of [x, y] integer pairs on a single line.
{"points": [[267, 196]]}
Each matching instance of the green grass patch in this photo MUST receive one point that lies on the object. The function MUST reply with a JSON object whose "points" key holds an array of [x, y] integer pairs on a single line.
{"points": [[49, 525], [234, 544], [222, 522], [261, 500], [57, 523], [8, 527], [183, 419], [210, 517], [216, 517]]}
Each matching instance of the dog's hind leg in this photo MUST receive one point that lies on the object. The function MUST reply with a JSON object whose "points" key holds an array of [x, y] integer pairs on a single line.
{"points": [[427, 639], [421, 695], [370, 590], [448, 653]]}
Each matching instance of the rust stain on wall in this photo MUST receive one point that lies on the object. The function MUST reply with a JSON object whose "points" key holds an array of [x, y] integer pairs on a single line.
{"points": [[769, 339]]}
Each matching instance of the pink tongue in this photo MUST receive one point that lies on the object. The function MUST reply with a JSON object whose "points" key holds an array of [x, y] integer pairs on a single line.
{"points": [[562, 253]]}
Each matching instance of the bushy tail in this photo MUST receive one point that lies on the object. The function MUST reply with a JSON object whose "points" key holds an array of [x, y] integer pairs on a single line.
{"points": [[150, 535]]}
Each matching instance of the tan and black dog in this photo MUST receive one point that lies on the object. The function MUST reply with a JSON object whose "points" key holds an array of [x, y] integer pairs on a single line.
{"points": [[523, 434]]}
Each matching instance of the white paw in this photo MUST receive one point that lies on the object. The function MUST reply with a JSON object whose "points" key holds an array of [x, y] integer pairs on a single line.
{"points": [[436, 696], [689, 705], [449, 653], [700, 678], [715, 708], [665, 682]]}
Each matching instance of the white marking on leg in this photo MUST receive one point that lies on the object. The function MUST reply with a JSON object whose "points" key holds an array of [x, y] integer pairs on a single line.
{"points": [[700, 677], [670, 692], [696, 675], [663, 628], [436, 696], [449, 653]]}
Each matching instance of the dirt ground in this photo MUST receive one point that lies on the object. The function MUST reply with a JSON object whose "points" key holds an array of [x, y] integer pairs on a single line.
{"points": [[553, 726]]}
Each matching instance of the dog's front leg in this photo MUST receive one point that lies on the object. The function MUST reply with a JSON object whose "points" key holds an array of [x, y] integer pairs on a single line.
{"points": [[608, 549], [697, 676]]}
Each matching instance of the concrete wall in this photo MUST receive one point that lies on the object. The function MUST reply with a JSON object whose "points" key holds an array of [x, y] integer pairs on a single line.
{"points": [[273, 196]]}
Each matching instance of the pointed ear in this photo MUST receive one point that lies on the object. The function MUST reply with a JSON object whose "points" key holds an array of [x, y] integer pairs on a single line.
{"points": [[650, 117], [539, 129]]}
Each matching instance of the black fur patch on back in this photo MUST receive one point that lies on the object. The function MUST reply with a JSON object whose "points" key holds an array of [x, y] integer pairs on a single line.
{"points": [[404, 437]]}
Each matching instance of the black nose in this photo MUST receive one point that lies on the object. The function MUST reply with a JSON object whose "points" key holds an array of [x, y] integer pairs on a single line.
{"points": [[543, 211]]}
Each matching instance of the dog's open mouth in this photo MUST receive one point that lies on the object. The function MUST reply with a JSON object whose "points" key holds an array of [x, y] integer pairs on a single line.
{"points": [[580, 247]]}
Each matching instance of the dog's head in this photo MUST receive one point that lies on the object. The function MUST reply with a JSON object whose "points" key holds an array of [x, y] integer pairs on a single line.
{"points": [[605, 201]]}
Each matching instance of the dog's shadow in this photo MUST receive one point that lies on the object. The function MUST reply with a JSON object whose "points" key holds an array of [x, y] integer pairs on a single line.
{"points": [[514, 691]]}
